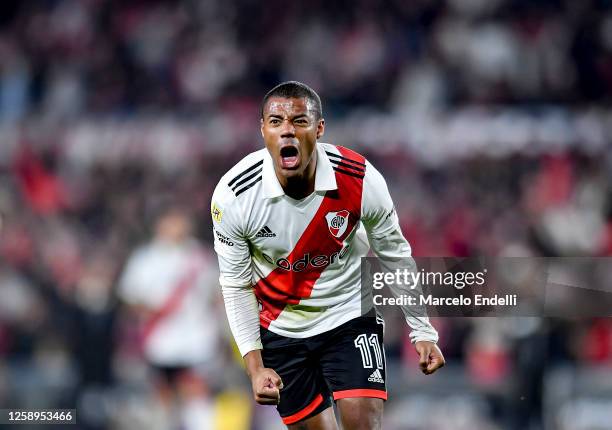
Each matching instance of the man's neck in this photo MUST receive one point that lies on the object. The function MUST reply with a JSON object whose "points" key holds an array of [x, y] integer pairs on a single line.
{"points": [[299, 187]]}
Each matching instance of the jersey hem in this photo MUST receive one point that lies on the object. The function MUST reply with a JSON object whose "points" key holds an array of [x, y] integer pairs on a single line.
{"points": [[316, 330]]}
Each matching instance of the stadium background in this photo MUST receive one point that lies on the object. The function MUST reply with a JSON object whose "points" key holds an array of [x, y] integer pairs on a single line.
{"points": [[490, 119]]}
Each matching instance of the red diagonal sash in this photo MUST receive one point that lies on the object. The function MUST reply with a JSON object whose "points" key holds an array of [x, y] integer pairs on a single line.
{"points": [[174, 300]]}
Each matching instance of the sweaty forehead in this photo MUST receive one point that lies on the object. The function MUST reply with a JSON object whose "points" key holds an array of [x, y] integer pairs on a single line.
{"points": [[288, 106]]}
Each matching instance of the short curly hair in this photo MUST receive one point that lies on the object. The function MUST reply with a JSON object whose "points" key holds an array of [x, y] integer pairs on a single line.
{"points": [[294, 89]]}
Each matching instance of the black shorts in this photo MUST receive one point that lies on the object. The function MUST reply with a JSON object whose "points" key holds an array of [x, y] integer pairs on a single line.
{"points": [[348, 361]]}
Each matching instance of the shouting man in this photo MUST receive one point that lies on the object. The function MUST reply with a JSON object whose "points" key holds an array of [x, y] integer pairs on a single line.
{"points": [[291, 223]]}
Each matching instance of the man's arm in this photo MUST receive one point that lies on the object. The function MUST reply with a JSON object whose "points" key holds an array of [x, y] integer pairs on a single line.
{"points": [[243, 316], [393, 250], [240, 302]]}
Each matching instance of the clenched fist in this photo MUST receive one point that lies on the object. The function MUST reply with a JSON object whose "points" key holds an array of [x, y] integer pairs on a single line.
{"points": [[430, 357], [265, 382], [266, 386]]}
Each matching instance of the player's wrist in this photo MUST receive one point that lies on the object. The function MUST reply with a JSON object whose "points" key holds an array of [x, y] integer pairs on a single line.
{"points": [[415, 342], [424, 336], [253, 362]]}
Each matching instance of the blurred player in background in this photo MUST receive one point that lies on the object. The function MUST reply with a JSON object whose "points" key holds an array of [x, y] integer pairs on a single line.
{"points": [[291, 223], [167, 284]]}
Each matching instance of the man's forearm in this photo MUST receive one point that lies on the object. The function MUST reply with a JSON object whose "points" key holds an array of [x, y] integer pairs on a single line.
{"points": [[253, 362], [394, 253], [243, 317]]}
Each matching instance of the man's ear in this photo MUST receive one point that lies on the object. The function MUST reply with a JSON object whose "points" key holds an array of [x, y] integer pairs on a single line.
{"points": [[261, 127], [320, 128]]}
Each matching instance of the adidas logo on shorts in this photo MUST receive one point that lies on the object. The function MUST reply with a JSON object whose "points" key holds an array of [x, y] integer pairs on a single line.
{"points": [[265, 232], [376, 377]]}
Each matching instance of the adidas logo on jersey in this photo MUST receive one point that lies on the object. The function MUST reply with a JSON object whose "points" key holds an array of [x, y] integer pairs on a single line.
{"points": [[376, 376], [265, 232]]}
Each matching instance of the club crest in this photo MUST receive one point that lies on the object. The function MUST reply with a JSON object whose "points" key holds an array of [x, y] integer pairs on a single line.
{"points": [[337, 222]]}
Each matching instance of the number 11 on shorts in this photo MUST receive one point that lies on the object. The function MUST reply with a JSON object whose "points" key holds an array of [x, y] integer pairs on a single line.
{"points": [[363, 343]]}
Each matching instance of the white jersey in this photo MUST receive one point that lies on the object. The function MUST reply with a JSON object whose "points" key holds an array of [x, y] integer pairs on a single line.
{"points": [[154, 276], [294, 266]]}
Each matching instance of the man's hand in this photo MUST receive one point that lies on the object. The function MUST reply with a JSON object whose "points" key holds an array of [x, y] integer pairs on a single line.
{"points": [[266, 386], [265, 382], [430, 357]]}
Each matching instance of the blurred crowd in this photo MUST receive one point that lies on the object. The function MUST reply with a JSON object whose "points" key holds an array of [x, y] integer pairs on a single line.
{"points": [[119, 117], [65, 57]]}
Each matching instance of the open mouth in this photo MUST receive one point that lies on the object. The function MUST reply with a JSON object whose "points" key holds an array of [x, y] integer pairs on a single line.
{"points": [[289, 157]]}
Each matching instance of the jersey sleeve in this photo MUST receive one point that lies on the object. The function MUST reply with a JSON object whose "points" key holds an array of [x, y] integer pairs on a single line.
{"points": [[381, 223], [235, 272]]}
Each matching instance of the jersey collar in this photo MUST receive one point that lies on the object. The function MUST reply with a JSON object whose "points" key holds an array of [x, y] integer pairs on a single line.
{"points": [[325, 179]]}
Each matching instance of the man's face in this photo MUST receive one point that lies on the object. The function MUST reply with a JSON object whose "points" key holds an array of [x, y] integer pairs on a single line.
{"points": [[173, 226], [290, 129]]}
